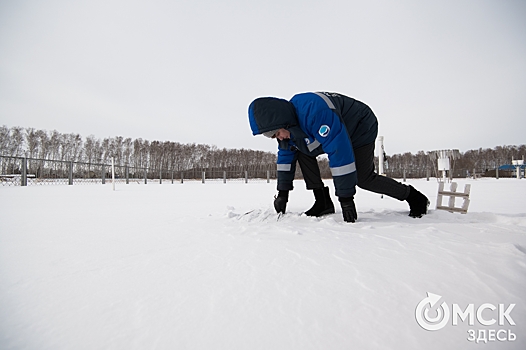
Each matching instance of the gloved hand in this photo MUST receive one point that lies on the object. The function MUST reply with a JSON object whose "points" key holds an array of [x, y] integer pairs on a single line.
{"points": [[280, 201], [348, 209]]}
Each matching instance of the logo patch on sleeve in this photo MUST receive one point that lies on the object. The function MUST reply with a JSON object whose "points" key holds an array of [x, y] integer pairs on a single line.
{"points": [[324, 130], [307, 141]]}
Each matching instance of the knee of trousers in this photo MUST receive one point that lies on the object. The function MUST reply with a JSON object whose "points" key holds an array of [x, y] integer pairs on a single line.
{"points": [[363, 180]]}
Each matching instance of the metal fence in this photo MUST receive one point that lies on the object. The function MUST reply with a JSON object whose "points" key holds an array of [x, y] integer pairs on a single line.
{"points": [[421, 173], [21, 171]]}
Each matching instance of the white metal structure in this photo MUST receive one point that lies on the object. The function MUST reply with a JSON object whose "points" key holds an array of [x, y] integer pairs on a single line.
{"points": [[517, 163], [381, 152], [444, 159]]}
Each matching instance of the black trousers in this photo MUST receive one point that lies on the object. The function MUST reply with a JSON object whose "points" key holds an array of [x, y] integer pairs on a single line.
{"points": [[367, 178]]}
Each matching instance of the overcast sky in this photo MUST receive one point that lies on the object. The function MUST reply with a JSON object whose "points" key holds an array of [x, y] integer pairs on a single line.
{"points": [[438, 74]]}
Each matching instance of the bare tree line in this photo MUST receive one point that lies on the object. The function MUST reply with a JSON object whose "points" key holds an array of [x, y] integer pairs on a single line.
{"points": [[168, 155], [138, 153], [481, 161]]}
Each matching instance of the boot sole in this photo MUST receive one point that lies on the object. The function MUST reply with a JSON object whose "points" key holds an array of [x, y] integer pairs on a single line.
{"points": [[326, 212]]}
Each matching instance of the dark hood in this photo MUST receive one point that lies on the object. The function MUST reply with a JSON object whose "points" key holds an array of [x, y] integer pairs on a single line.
{"points": [[271, 113]]}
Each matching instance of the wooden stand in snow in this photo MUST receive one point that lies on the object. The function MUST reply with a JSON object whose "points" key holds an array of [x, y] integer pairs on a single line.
{"points": [[452, 194]]}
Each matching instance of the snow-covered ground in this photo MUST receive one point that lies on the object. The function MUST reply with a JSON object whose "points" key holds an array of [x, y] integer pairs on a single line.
{"points": [[183, 267]]}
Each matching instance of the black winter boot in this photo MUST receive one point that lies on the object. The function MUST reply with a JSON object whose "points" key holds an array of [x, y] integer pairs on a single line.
{"points": [[280, 201], [323, 204], [418, 203]]}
